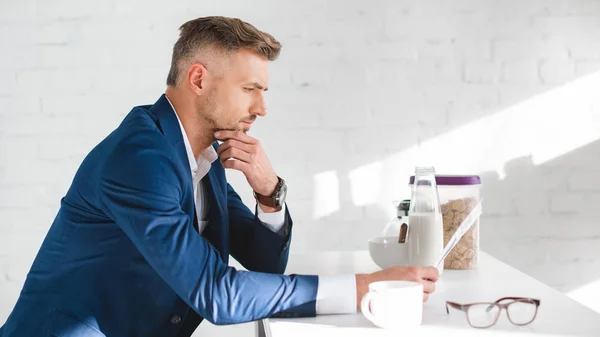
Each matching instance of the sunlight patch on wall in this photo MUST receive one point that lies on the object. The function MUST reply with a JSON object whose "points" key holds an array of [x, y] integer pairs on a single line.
{"points": [[326, 200], [542, 128]]}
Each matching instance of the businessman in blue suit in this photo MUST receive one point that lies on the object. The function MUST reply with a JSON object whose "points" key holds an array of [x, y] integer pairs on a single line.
{"points": [[141, 242]]}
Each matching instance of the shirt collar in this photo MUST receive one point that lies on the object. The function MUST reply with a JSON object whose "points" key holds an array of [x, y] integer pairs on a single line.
{"points": [[201, 165]]}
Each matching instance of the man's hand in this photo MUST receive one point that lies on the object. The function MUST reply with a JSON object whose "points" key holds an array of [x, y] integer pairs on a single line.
{"points": [[244, 153], [425, 275]]}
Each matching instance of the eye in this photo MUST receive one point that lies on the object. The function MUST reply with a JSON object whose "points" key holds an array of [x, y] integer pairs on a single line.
{"points": [[249, 89]]}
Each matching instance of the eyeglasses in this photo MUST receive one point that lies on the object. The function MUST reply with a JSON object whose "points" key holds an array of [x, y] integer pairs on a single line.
{"points": [[520, 311]]}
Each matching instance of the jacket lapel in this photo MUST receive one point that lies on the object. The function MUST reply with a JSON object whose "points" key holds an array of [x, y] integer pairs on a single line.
{"points": [[169, 125], [217, 230]]}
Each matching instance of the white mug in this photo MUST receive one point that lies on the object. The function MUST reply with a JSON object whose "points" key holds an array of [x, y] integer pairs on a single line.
{"points": [[394, 304]]}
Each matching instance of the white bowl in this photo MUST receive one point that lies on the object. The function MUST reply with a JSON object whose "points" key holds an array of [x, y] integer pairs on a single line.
{"points": [[386, 252]]}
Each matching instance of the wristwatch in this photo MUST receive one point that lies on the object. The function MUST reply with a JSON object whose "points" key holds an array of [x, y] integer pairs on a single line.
{"points": [[275, 200]]}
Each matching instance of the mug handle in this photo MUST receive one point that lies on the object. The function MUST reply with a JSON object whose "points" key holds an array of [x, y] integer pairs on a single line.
{"points": [[366, 310]]}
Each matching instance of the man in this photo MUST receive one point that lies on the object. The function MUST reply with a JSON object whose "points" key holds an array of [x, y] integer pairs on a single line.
{"points": [[141, 242]]}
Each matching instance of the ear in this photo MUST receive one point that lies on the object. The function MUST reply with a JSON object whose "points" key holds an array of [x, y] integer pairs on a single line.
{"points": [[196, 75]]}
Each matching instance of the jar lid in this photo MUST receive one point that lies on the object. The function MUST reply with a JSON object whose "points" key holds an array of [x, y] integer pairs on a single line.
{"points": [[454, 180]]}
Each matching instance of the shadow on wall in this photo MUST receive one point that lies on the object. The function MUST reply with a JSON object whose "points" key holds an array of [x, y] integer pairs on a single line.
{"points": [[540, 219]]}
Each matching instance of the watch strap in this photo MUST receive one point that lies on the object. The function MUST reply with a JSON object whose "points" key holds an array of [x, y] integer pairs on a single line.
{"points": [[270, 201], [264, 200]]}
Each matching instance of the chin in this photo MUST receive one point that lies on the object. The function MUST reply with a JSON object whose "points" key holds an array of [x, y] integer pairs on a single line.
{"points": [[244, 128]]}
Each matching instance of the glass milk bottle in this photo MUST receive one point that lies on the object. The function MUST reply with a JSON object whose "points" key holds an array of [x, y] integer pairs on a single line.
{"points": [[426, 226]]}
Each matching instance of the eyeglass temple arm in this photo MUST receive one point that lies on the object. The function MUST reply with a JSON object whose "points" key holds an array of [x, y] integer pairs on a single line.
{"points": [[454, 305]]}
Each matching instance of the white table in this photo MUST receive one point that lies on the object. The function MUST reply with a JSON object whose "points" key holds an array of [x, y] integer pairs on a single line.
{"points": [[558, 315]]}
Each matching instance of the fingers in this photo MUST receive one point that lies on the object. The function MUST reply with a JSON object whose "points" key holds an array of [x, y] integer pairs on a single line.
{"points": [[430, 273], [426, 276], [235, 149], [232, 143], [235, 153], [237, 135], [428, 286], [236, 165]]}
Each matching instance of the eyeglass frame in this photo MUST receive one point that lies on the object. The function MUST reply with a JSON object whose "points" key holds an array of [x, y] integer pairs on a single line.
{"points": [[465, 308]]}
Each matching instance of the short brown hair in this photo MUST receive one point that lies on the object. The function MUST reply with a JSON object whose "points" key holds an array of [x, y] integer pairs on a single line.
{"points": [[228, 34]]}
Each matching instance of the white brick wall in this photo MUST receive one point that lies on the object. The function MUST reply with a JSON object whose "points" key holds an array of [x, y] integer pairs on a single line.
{"points": [[357, 84]]}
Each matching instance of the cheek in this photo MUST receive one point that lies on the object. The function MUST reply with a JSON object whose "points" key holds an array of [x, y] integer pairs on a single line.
{"points": [[232, 105], [239, 105]]}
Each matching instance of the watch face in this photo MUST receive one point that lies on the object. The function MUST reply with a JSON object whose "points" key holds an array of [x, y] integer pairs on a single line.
{"points": [[283, 192], [280, 197]]}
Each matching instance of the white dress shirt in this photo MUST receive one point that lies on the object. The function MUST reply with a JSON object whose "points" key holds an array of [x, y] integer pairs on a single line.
{"points": [[335, 294]]}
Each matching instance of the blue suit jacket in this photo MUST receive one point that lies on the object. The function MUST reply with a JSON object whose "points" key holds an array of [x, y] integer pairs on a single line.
{"points": [[123, 257]]}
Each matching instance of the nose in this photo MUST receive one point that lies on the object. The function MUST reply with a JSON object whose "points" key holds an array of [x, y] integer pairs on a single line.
{"points": [[259, 108]]}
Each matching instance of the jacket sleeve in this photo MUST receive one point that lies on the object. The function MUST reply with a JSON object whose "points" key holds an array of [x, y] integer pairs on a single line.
{"points": [[141, 191], [252, 243]]}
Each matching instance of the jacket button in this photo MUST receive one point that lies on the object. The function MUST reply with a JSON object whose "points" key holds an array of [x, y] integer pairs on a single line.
{"points": [[176, 319]]}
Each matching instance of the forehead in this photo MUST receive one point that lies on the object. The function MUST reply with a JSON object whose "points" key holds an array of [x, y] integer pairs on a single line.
{"points": [[249, 66]]}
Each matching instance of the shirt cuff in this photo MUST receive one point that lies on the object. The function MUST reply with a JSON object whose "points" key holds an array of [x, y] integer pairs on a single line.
{"points": [[336, 295], [274, 221]]}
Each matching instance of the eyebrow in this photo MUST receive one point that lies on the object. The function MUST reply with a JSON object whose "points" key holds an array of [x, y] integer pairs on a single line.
{"points": [[259, 87]]}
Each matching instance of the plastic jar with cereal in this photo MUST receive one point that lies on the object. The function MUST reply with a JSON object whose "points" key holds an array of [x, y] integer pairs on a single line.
{"points": [[458, 196]]}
